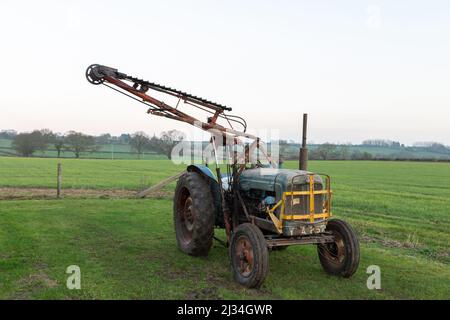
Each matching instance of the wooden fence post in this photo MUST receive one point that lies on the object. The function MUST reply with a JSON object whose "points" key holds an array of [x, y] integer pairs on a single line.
{"points": [[58, 182]]}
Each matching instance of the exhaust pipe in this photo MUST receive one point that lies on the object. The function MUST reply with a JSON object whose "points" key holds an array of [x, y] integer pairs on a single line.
{"points": [[303, 157]]}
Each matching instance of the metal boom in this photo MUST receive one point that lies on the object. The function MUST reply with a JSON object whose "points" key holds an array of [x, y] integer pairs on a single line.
{"points": [[138, 89]]}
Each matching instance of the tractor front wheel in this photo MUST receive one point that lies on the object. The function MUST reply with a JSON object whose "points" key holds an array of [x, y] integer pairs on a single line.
{"points": [[340, 257], [193, 214], [249, 255]]}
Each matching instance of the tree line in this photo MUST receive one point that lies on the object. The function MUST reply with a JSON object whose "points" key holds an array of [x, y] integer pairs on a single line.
{"points": [[27, 143], [141, 142], [398, 151], [325, 151]]}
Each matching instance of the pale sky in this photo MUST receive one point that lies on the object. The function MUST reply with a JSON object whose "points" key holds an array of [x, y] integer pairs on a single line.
{"points": [[360, 69]]}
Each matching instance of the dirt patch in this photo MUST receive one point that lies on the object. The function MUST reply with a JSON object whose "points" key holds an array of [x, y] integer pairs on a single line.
{"points": [[204, 294], [390, 243], [50, 193], [43, 279], [32, 284]]}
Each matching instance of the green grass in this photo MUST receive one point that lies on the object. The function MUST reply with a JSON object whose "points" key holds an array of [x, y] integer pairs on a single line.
{"points": [[84, 173], [405, 202], [126, 248]]}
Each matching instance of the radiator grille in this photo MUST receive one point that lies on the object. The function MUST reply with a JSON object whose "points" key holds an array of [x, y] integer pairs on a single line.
{"points": [[300, 204]]}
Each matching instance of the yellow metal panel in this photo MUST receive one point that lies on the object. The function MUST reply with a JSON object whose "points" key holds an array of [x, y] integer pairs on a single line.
{"points": [[305, 193], [311, 198], [278, 224], [276, 206], [306, 216]]}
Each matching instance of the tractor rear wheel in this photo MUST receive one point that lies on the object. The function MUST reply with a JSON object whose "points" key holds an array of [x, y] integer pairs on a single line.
{"points": [[340, 257], [193, 214], [249, 255]]}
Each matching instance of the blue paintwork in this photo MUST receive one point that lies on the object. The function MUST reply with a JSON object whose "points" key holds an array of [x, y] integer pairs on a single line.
{"points": [[269, 200], [203, 169]]}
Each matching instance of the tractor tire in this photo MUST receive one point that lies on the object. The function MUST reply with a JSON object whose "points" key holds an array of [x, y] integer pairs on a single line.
{"points": [[340, 258], [193, 214], [249, 255]]}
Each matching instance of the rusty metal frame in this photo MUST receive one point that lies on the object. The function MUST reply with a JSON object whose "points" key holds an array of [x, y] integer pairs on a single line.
{"points": [[138, 90], [159, 108], [311, 239]]}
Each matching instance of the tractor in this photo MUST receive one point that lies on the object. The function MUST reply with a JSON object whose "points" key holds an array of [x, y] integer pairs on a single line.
{"points": [[261, 206]]}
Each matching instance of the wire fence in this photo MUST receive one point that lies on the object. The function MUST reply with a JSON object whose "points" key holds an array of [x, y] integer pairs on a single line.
{"points": [[30, 178]]}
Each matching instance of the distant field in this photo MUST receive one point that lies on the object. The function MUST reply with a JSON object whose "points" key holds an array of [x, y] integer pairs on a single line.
{"points": [[123, 151], [126, 247]]}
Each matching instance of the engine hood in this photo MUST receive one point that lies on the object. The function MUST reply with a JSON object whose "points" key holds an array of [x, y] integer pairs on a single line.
{"points": [[275, 180]]}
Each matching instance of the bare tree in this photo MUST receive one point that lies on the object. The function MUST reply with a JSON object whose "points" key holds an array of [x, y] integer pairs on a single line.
{"points": [[139, 142], [166, 142], [79, 143], [324, 151], [48, 137], [283, 152], [344, 152], [26, 144], [59, 143]]}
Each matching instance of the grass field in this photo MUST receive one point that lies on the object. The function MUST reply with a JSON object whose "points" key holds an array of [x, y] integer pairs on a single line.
{"points": [[84, 173], [126, 248]]}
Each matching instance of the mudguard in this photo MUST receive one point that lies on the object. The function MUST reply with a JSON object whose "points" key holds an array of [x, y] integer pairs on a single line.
{"points": [[202, 169]]}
